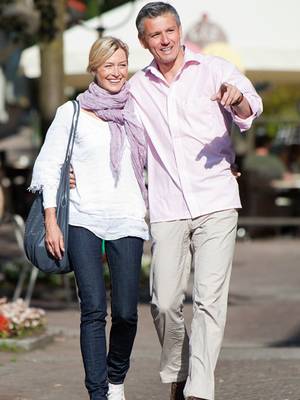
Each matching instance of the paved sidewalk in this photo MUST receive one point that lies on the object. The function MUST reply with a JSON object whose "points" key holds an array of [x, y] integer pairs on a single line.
{"points": [[260, 358]]}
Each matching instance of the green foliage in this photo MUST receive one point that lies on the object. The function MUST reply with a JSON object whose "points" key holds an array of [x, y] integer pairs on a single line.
{"points": [[14, 26], [10, 347], [281, 102], [93, 9], [47, 28], [17, 26], [25, 332], [109, 4], [11, 269], [96, 7]]}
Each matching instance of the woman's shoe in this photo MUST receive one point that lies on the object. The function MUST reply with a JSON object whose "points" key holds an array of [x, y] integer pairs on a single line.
{"points": [[115, 392]]}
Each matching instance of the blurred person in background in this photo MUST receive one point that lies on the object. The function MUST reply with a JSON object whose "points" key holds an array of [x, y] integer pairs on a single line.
{"points": [[109, 150], [262, 163], [263, 173]]}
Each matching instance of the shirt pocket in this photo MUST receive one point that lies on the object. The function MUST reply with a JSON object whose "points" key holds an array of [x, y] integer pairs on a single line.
{"points": [[196, 118]]}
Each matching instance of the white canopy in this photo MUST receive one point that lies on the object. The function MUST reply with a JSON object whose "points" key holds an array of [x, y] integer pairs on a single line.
{"points": [[264, 33]]}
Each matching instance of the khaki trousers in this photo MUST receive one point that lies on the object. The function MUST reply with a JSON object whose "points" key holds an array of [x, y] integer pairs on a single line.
{"points": [[207, 242]]}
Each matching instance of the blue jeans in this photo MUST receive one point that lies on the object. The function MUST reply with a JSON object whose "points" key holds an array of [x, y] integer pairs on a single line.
{"points": [[124, 260]]}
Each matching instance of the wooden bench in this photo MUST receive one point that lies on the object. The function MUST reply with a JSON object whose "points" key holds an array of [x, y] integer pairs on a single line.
{"points": [[268, 221]]}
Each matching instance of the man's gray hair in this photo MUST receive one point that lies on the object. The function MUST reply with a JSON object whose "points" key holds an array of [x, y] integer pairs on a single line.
{"points": [[153, 10]]}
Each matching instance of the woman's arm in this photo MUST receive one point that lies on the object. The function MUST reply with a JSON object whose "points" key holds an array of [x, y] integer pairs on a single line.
{"points": [[46, 175], [47, 167]]}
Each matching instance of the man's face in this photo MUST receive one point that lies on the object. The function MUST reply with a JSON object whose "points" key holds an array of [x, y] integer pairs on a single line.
{"points": [[162, 37]]}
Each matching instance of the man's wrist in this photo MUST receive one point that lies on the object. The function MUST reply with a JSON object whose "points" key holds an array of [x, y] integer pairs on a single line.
{"points": [[238, 101]]}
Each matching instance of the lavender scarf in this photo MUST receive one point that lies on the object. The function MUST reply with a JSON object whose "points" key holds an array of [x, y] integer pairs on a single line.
{"points": [[117, 110]]}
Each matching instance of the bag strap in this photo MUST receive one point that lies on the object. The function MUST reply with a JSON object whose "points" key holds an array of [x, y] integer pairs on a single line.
{"points": [[73, 129]]}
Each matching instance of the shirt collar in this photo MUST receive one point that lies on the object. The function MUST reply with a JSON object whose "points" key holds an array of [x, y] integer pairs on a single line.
{"points": [[189, 58]]}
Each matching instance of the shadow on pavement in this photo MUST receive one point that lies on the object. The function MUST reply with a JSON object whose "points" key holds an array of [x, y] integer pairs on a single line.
{"points": [[292, 341]]}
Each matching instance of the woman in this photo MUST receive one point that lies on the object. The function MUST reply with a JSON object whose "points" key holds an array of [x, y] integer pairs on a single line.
{"points": [[107, 204]]}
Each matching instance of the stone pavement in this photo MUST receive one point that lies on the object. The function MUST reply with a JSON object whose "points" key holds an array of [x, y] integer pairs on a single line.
{"points": [[260, 358]]}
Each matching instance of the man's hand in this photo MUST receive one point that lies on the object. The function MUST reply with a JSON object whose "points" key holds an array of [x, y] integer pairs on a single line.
{"points": [[72, 179], [228, 95], [235, 171]]}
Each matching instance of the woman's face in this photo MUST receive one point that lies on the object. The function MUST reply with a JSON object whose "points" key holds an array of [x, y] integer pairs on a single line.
{"points": [[112, 74]]}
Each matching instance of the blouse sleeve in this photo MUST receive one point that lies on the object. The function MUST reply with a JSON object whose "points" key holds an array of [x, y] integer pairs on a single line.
{"points": [[47, 167]]}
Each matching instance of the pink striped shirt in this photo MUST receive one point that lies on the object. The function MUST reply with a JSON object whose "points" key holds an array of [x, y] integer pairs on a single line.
{"points": [[190, 150]]}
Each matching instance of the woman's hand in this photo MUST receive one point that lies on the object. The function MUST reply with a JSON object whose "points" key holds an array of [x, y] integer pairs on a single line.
{"points": [[53, 239], [72, 179]]}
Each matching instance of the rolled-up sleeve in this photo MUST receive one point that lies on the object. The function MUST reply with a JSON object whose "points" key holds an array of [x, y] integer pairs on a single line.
{"points": [[239, 80]]}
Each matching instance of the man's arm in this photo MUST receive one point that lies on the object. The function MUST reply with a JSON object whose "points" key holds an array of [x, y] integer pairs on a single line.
{"points": [[235, 92]]}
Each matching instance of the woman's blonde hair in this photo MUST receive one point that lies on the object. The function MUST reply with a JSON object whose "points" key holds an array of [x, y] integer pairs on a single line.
{"points": [[102, 49]]}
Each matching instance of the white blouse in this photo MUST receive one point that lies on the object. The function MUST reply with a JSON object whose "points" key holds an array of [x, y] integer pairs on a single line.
{"points": [[109, 210]]}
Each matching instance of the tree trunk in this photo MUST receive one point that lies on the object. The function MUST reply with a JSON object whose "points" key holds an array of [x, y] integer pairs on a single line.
{"points": [[51, 84]]}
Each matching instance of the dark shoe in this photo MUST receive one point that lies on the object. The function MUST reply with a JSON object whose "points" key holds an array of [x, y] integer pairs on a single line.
{"points": [[193, 398], [177, 390]]}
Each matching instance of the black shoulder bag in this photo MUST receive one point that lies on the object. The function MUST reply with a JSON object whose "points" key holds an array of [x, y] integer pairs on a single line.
{"points": [[34, 237]]}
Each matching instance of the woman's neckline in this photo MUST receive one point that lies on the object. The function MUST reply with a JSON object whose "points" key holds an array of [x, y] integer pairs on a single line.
{"points": [[91, 114]]}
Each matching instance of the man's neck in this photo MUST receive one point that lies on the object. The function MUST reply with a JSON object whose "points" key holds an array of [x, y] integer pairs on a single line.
{"points": [[169, 71]]}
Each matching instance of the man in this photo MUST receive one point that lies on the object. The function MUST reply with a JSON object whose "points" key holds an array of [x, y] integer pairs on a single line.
{"points": [[262, 163], [260, 198], [186, 103]]}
